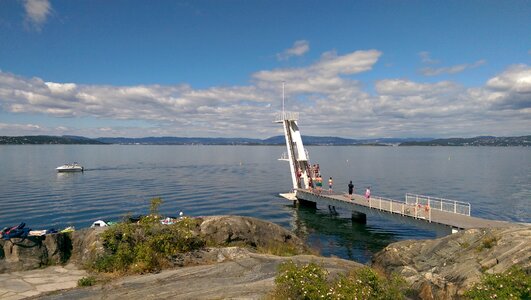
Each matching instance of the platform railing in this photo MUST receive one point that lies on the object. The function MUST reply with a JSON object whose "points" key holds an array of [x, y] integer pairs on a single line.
{"points": [[286, 115], [399, 207], [415, 206], [446, 205], [284, 156]]}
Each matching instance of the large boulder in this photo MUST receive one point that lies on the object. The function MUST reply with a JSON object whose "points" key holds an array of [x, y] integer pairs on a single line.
{"points": [[445, 268], [247, 231], [33, 252], [86, 245]]}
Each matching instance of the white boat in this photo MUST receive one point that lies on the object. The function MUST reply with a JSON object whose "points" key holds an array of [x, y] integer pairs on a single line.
{"points": [[75, 167]]}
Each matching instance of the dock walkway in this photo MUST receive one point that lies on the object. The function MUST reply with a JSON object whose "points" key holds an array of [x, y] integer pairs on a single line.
{"points": [[414, 211]]}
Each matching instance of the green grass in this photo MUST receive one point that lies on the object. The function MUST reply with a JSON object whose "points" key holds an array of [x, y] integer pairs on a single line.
{"points": [[87, 281]]}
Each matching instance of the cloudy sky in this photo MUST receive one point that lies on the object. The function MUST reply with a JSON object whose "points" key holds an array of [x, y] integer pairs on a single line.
{"points": [[355, 69]]}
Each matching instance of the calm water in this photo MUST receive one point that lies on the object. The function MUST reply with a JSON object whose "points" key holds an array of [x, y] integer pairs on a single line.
{"points": [[245, 180]]}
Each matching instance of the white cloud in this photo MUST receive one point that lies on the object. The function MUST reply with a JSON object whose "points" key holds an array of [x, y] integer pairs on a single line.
{"points": [[516, 78], [402, 87], [299, 48], [426, 59], [322, 76], [6, 127], [37, 11], [329, 99], [429, 71], [512, 88]]}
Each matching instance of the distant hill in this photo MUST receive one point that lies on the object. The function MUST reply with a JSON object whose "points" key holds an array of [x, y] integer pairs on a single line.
{"points": [[475, 141], [169, 140], [275, 140], [46, 139], [336, 141]]}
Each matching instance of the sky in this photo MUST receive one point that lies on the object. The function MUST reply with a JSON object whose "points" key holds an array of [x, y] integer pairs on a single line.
{"points": [[354, 69]]}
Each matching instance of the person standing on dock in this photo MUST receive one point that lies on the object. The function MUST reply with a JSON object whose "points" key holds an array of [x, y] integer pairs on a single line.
{"points": [[350, 189], [330, 184], [319, 181], [368, 193]]}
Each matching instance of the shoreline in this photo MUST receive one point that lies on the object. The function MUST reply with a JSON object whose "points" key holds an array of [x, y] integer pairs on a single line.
{"points": [[467, 250]]}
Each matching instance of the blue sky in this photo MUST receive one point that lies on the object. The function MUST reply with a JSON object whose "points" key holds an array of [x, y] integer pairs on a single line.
{"points": [[214, 68]]}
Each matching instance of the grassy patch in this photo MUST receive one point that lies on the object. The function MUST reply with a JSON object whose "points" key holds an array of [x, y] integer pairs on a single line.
{"points": [[87, 281], [487, 243], [514, 283], [311, 281], [279, 249]]}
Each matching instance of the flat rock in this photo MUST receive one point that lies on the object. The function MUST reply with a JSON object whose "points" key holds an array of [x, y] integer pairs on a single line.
{"points": [[247, 276]]}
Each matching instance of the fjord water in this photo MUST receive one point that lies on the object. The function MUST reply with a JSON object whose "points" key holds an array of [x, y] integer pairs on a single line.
{"points": [[245, 180]]}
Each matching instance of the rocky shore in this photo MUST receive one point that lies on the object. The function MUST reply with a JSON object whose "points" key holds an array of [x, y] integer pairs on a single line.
{"points": [[232, 267], [445, 268]]}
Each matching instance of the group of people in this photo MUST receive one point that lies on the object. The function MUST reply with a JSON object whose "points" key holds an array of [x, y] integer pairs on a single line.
{"points": [[315, 177], [319, 184], [314, 170]]}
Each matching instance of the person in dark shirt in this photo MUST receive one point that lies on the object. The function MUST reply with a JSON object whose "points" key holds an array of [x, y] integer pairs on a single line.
{"points": [[350, 189]]}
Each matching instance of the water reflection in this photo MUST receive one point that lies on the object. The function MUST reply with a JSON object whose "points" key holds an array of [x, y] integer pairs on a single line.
{"points": [[332, 234]]}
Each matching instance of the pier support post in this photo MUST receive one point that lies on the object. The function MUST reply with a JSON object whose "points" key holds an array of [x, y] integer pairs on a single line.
{"points": [[307, 203], [359, 218]]}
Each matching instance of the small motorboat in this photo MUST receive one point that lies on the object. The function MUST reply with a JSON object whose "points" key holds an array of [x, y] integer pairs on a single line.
{"points": [[75, 167]]}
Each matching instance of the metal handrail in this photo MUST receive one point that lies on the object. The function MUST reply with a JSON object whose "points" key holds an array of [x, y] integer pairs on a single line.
{"points": [[441, 204], [284, 156], [399, 207]]}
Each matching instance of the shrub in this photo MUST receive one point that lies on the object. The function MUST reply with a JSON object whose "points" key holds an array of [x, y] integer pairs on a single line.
{"points": [[514, 283], [365, 283], [154, 205], [305, 282], [87, 281], [146, 246], [311, 282], [487, 243]]}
